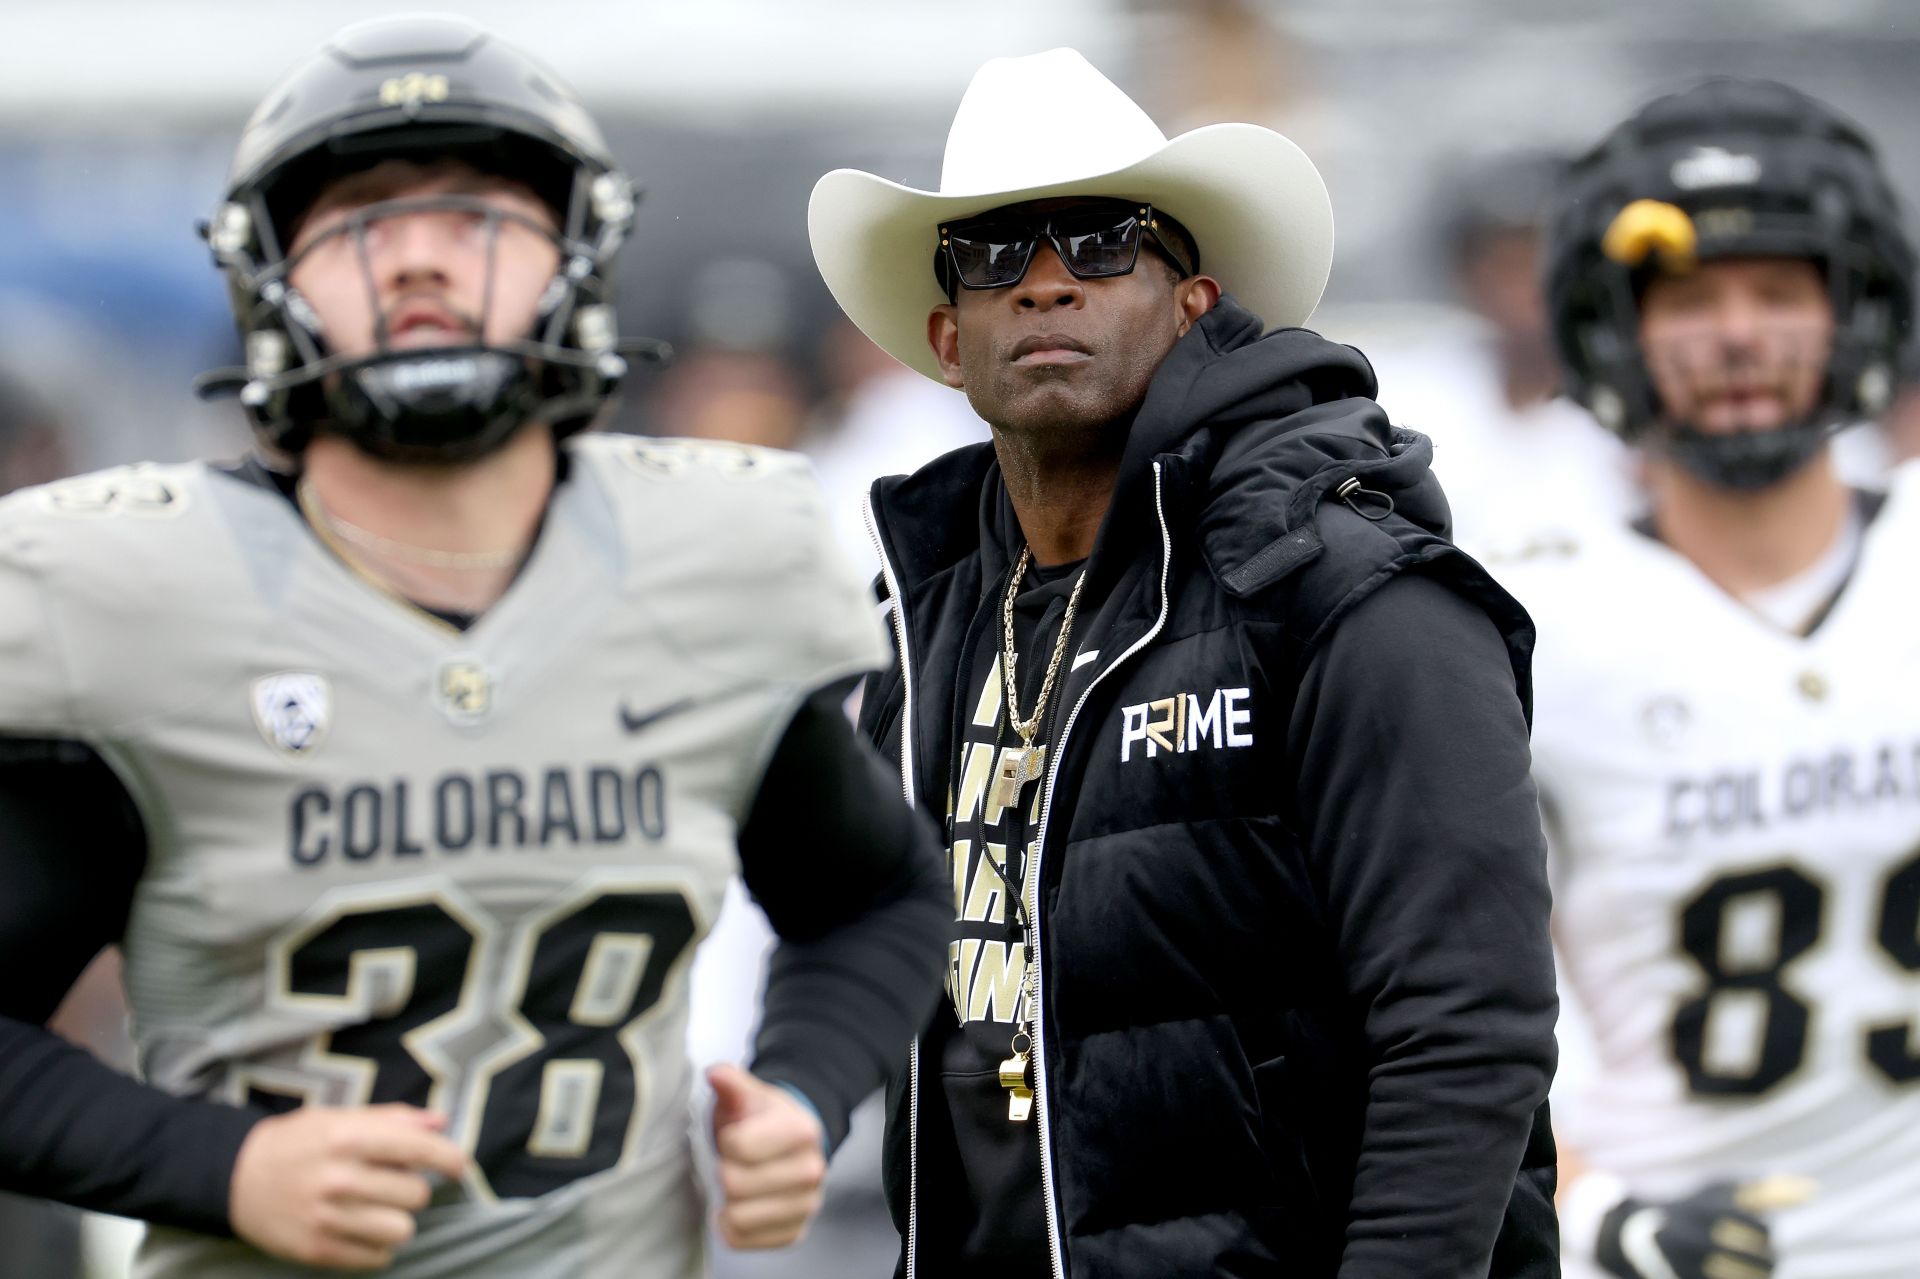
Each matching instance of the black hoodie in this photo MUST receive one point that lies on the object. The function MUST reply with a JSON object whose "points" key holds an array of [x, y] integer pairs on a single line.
{"points": [[1295, 986]]}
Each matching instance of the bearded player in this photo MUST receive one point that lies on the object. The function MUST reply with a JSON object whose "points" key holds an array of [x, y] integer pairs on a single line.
{"points": [[408, 761], [1727, 732]]}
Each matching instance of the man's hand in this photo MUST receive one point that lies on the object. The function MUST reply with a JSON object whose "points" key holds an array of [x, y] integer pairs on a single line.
{"points": [[1715, 1233], [338, 1187], [772, 1160]]}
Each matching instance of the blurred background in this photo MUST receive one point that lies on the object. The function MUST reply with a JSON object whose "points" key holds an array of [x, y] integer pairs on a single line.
{"points": [[1437, 124], [119, 117]]}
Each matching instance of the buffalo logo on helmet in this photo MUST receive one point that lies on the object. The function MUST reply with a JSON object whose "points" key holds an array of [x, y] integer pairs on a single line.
{"points": [[415, 86], [1708, 166]]}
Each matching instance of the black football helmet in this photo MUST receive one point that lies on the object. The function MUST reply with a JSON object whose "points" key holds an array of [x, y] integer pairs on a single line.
{"points": [[423, 88], [1728, 168]]}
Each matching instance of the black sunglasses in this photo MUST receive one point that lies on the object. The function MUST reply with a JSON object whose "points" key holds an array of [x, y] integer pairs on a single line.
{"points": [[1094, 242]]}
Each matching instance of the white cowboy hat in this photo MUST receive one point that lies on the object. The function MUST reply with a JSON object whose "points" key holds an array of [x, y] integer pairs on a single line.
{"points": [[1048, 125]]}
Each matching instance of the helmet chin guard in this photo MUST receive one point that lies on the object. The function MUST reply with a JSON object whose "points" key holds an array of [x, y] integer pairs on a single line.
{"points": [[423, 88], [437, 405], [1745, 461]]}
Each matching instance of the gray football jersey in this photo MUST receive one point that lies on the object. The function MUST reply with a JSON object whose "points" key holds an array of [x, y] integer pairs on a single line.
{"points": [[393, 861]]}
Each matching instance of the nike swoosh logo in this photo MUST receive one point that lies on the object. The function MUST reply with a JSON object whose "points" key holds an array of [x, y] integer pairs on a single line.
{"points": [[1638, 1245], [634, 723]]}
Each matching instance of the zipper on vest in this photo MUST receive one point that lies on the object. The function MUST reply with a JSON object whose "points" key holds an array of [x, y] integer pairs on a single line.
{"points": [[1059, 752], [906, 788]]}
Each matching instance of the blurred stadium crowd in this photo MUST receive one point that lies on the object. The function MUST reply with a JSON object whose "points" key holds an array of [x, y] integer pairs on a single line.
{"points": [[1439, 127]]}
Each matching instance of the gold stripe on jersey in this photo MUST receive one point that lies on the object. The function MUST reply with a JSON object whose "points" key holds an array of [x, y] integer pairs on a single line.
{"points": [[316, 519]]}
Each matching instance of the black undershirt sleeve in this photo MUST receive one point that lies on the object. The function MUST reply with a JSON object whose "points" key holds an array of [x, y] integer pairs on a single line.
{"points": [[1413, 763], [852, 880], [72, 849]]}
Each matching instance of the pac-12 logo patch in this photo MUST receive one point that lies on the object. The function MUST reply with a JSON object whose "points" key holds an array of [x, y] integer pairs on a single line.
{"points": [[293, 710], [1666, 719]]}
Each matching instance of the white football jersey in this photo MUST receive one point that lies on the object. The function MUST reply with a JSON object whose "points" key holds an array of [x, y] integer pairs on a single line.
{"points": [[1735, 816], [394, 861]]}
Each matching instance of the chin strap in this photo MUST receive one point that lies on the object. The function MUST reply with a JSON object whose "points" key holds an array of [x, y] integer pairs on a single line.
{"points": [[1745, 461], [442, 402]]}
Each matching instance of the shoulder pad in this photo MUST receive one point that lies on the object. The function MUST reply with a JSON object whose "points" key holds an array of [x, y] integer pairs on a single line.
{"points": [[103, 576], [34, 692], [731, 549], [49, 535]]}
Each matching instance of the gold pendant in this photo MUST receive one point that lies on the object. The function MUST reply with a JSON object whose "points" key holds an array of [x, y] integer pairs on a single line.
{"points": [[1013, 1078], [1017, 767]]}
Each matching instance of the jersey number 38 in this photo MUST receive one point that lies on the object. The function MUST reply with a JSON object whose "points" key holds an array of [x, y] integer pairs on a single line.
{"points": [[535, 1030]]}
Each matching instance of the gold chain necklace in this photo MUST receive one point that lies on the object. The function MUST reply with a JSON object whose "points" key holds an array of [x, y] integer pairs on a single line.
{"points": [[391, 579], [1017, 768]]}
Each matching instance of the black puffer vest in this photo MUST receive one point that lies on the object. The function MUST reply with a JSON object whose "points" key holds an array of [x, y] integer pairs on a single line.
{"points": [[1198, 1079]]}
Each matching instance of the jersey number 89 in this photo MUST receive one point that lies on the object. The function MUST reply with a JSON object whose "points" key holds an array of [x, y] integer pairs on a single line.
{"points": [[1781, 1017]]}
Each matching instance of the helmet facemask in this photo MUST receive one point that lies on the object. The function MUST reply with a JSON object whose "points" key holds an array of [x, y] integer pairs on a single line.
{"points": [[1740, 410], [444, 401]]}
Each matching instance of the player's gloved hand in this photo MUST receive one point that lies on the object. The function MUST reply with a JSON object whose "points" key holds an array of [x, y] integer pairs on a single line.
{"points": [[1717, 1232], [338, 1186], [772, 1160]]}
